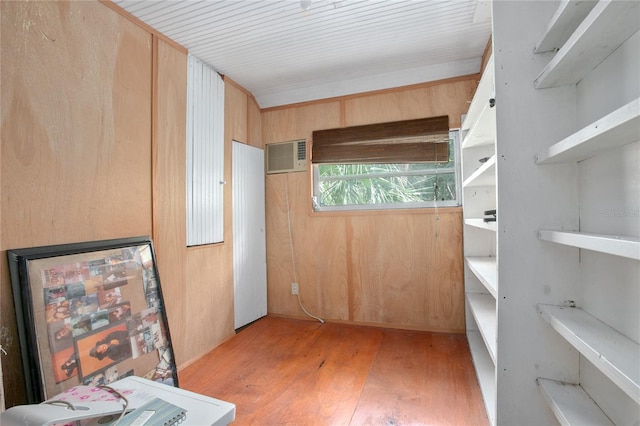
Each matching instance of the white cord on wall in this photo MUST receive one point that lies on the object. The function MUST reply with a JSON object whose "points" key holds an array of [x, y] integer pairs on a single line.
{"points": [[293, 259]]}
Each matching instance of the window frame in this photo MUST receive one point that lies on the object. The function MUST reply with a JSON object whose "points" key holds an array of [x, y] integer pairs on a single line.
{"points": [[457, 202]]}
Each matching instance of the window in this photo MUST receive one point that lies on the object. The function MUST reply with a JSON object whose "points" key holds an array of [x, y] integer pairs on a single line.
{"points": [[359, 186]]}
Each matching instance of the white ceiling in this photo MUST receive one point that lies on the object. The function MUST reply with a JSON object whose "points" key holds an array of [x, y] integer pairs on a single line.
{"points": [[284, 54]]}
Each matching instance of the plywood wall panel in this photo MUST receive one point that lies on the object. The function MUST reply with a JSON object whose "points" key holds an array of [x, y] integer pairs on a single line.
{"points": [[169, 212], [319, 249], [394, 268], [76, 135], [254, 124], [450, 97], [406, 270], [287, 124], [236, 112], [322, 280], [69, 106], [210, 299]]}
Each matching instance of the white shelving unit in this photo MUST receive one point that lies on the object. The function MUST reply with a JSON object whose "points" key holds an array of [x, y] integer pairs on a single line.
{"points": [[483, 309], [610, 244], [484, 176], [564, 22], [485, 269], [609, 350], [604, 30], [571, 404], [479, 187], [479, 123], [621, 127], [552, 289], [485, 371], [481, 224]]}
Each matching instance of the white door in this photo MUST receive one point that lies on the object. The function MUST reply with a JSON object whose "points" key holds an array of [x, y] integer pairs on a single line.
{"points": [[249, 245]]}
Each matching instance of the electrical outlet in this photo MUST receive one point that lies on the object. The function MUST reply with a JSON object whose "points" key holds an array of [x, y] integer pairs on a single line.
{"points": [[294, 288]]}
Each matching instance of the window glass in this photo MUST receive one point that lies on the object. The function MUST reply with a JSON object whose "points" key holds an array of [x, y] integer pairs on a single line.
{"points": [[376, 186]]}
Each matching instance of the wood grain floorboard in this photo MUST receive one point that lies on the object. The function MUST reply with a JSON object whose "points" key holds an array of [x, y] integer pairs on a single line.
{"points": [[291, 372]]}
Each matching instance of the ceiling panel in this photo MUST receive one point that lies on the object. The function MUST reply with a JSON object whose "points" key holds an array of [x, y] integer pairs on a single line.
{"points": [[288, 51]]}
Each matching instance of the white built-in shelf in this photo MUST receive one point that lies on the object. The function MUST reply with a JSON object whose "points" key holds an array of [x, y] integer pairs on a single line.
{"points": [[485, 269], [479, 123], [483, 131], [564, 22], [621, 127], [613, 353], [623, 246], [485, 371], [483, 308], [480, 223], [605, 28], [484, 176], [571, 404]]}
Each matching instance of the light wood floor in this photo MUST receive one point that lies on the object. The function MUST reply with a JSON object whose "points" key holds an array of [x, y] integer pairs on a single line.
{"points": [[293, 372]]}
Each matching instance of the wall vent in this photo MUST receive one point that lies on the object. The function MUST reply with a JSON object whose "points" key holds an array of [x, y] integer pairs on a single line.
{"points": [[285, 157]]}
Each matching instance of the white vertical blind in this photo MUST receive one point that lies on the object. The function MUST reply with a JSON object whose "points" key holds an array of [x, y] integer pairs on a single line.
{"points": [[205, 154]]}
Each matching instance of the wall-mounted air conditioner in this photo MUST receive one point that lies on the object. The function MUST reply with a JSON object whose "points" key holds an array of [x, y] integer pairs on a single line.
{"points": [[285, 157]]}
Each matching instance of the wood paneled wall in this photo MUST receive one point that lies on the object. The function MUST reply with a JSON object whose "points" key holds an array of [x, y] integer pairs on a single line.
{"points": [[93, 133], [93, 147], [76, 132], [392, 268]]}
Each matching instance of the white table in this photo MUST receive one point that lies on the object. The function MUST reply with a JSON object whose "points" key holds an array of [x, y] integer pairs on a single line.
{"points": [[200, 410]]}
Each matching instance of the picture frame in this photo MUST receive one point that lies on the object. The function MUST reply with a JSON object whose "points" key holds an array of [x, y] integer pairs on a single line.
{"points": [[90, 313]]}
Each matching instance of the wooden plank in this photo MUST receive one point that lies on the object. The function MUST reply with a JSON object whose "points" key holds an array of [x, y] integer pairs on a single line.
{"points": [[485, 372], [614, 354], [624, 246], [608, 25], [169, 214], [567, 18], [618, 128], [485, 268], [283, 371], [483, 308], [426, 379], [484, 176], [571, 404]]}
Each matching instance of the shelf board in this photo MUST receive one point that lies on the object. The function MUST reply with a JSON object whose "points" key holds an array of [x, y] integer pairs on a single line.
{"points": [[621, 127], [485, 269], [484, 176], [483, 130], [480, 121], [479, 223], [485, 371], [614, 354], [481, 97], [483, 308], [564, 22], [623, 246], [571, 404], [606, 27]]}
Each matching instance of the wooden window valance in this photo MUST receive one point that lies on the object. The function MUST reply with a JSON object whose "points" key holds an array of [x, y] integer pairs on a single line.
{"points": [[408, 141]]}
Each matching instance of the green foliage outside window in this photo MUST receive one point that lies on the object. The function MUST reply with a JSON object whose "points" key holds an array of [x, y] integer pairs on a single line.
{"points": [[374, 184]]}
